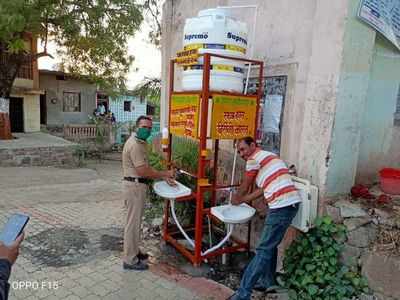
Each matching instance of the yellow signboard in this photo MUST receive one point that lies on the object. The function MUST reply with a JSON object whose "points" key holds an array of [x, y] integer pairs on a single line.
{"points": [[184, 114], [233, 117], [186, 52], [187, 60], [187, 57]]}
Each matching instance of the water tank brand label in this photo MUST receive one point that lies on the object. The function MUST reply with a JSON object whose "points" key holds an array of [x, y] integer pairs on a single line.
{"points": [[215, 46], [217, 67], [197, 36], [236, 38], [204, 36]]}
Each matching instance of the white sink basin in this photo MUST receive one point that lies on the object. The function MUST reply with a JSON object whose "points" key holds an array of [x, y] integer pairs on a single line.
{"points": [[163, 189], [233, 214]]}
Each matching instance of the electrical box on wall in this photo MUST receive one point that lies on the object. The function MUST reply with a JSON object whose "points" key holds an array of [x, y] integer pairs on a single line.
{"points": [[308, 209]]}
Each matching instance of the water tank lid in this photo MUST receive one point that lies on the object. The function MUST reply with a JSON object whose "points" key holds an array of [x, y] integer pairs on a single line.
{"points": [[214, 11]]}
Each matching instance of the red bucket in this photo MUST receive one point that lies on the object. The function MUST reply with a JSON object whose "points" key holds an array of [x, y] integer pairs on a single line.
{"points": [[390, 181]]}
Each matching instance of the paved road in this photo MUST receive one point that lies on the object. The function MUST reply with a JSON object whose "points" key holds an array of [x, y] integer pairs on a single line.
{"points": [[73, 241]]}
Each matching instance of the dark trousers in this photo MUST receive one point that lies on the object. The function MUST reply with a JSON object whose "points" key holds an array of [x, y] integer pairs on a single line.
{"points": [[262, 268]]}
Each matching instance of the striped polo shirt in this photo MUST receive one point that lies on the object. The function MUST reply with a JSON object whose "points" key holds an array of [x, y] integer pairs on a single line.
{"points": [[272, 175]]}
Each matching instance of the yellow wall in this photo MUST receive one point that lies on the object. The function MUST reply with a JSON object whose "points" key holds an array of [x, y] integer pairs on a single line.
{"points": [[31, 112], [23, 83]]}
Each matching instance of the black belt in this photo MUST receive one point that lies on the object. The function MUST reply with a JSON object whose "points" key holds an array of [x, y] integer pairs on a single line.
{"points": [[138, 179]]}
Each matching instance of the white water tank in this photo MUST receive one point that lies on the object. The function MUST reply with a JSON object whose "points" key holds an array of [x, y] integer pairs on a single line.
{"points": [[214, 31]]}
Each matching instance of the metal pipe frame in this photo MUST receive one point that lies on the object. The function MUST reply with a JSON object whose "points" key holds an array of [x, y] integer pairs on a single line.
{"points": [[195, 256]]}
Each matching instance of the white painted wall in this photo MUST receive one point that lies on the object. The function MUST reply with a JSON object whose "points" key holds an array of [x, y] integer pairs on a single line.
{"points": [[300, 39]]}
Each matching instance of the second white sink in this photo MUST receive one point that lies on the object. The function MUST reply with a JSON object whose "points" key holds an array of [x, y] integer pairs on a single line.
{"points": [[233, 214]]}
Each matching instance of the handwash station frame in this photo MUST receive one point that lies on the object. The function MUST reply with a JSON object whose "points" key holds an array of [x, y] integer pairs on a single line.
{"points": [[203, 185]]}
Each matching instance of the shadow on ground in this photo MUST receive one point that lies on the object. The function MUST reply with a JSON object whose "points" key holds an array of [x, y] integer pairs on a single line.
{"points": [[61, 247]]}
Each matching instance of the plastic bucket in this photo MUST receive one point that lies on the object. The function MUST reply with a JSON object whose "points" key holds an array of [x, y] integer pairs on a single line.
{"points": [[390, 181]]}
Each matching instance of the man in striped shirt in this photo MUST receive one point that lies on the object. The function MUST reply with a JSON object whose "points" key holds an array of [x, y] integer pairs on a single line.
{"points": [[272, 179]]}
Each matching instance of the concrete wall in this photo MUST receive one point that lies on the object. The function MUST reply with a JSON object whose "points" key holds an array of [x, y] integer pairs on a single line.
{"points": [[352, 92], [37, 156], [321, 91], [380, 139], [364, 137], [54, 90], [300, 39]]}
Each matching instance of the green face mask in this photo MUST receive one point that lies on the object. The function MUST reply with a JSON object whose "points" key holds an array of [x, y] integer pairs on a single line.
{"points": [[143, 133]]}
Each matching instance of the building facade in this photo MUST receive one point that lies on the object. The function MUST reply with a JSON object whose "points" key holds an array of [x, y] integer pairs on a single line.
{"points": [[24, 102], [67, 100], [338, 79], [70, 100], [128, 108]]}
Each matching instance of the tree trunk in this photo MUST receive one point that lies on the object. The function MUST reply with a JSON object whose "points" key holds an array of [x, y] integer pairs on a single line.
{"points": [[9, 66], [5, 126]]}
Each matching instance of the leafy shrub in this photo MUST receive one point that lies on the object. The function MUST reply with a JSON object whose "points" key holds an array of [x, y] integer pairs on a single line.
{"points": [[156, 161], [185, 153], [80, 154], [312, 267]]}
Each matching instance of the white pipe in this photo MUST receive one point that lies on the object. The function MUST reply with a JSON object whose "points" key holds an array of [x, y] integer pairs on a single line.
{"points": [[247, 79], [191, 242], [224, 240], [230, 227], [254, 32], [209, 230], [233, 173]]}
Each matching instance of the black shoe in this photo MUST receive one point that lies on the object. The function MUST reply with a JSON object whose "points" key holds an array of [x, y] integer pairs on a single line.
{"points": [[139, 266], [259, 288], [142, 256], [270, 290]]}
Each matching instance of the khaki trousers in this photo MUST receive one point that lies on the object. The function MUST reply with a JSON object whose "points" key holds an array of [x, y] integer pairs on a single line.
{"points": [[134, 195]]}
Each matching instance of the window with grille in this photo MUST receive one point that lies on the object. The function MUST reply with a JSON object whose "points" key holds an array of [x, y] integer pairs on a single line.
{"points": [[127, 106], [397, 113], [71, 102]]}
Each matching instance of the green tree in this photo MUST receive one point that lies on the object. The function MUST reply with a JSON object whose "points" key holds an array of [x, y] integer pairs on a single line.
{"points": [[150, 87], [90, 36], [153, 18]]}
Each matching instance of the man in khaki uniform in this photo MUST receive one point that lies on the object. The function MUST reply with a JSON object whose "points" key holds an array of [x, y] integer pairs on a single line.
{"points": [[137, 174]]}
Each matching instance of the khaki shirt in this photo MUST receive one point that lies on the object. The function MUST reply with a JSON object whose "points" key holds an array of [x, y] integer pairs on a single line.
{"points": [[134, 155]]}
